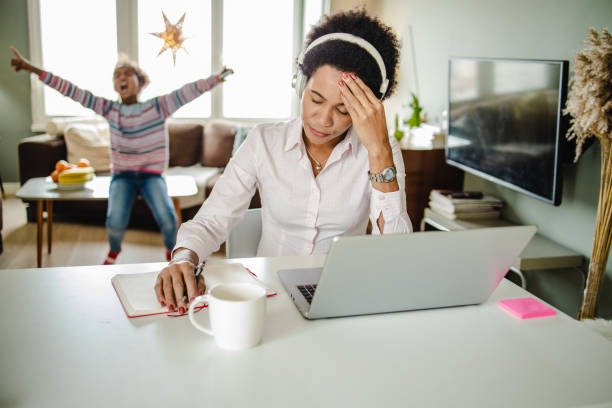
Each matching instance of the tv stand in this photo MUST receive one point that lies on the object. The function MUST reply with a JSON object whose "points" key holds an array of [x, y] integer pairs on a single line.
{"points": [[541, 253]]}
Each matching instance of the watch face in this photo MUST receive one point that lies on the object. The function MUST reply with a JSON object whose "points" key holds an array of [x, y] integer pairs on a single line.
{"points": [[388, 174]]}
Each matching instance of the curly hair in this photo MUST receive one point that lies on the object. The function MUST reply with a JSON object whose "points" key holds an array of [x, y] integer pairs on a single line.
{"points": [[350, 57], [125, 61]]}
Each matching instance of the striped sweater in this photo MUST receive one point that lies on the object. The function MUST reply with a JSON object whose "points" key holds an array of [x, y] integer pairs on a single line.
{"points": [[139, 138]]}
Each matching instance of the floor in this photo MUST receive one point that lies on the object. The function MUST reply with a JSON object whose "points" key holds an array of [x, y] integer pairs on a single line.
{"points": [[73, 244]]}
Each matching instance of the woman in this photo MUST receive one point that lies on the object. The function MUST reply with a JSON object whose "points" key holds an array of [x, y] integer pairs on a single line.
{"points": [[321, 175]]}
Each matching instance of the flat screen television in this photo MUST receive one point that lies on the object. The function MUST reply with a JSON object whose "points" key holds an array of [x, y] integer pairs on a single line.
{"points": [[506, 122]]}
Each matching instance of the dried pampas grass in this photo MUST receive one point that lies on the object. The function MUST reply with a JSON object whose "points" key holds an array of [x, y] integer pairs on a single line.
{"points": [[590, 104], [590, 97]]}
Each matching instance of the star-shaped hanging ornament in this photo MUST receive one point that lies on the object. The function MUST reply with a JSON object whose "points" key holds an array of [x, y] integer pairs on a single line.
{"points": [[173, 37]]}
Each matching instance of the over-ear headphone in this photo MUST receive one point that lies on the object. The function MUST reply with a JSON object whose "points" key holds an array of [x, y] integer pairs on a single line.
{"points": [[299, 80]]}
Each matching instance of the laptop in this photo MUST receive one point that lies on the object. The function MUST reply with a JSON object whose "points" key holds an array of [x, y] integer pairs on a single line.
{"points": [[369, 274]]}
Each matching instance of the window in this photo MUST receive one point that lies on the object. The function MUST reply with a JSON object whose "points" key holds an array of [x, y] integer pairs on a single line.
{"points": [[260, 56], [192, 63], [313, 10], [66, 49], [260, 40]]}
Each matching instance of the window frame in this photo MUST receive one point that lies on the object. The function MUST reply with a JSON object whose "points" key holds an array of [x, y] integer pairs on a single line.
{"points": [[127, 42]]}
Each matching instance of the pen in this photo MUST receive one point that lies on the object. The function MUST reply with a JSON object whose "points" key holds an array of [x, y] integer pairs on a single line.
{"points": [[198, 270]]}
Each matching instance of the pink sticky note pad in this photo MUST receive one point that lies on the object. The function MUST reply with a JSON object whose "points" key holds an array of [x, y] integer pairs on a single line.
{"points": [[526, 308]]}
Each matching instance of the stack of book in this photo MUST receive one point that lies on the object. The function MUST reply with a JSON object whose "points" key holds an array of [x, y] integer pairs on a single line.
{"points": [[464, 205]]}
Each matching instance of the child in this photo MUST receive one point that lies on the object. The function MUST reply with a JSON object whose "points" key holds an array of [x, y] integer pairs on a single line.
{"points": [[139, 143]]}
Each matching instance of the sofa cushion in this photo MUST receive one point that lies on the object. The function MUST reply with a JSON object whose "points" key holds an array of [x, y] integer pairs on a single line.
{"points": [[185, 142], [201, 175], [218, 143], [57, 126], [90, 141]]}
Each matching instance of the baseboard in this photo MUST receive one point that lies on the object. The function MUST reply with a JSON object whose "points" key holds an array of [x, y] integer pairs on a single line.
{"points": [[10, 189]]}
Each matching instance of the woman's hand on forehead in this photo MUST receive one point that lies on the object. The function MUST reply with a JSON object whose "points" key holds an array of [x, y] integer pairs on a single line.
{"points": [[367, 112]]}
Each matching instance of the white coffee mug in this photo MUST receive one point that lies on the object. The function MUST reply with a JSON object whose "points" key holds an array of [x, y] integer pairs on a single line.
{"points": [[237, 312]]}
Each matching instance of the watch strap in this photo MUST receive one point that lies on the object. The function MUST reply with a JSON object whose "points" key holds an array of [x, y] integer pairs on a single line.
{"points": [[378, 177]]}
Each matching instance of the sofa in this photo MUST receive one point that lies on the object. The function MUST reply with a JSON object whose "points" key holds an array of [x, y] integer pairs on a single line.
{"points": [[199, 149]]}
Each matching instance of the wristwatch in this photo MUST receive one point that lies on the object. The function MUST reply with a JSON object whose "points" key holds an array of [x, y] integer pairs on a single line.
{"points": [[385, 176]]}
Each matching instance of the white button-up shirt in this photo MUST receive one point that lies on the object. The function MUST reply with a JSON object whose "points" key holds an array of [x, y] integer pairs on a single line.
{"points": [[301, 213]]}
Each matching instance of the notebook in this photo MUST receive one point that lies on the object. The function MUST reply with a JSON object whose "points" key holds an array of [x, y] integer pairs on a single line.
{"points": [[396, 272], [137, 295]]}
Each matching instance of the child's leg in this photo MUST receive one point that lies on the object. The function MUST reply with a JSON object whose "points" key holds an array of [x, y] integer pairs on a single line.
{"points": [[155, 193], [122, 194]]}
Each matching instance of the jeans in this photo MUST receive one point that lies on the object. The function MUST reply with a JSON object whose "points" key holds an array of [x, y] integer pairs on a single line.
{"points": [[124, 188]]}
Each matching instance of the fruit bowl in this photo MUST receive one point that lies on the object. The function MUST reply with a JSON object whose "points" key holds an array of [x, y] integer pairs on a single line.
{"points": [[71, 186], [74, 178]]}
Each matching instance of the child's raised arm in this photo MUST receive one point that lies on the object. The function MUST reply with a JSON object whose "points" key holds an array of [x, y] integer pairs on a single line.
{"points": [[19, 63], [98, 104], [170, 103]]}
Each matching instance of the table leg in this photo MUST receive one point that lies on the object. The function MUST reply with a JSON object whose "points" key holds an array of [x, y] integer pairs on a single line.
{"points": [[49, 224], [39, 232], [177, 208]]}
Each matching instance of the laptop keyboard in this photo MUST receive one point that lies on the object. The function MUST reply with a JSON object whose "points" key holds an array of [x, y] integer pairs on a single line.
{"points": [[308, 291]]}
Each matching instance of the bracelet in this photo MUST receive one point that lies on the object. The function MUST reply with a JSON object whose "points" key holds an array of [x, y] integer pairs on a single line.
{"points": [[182, 255], [180, 261]]}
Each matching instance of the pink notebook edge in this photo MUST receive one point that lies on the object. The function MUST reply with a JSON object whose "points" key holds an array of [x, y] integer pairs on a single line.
{"points": [[272, 291], [167, 313], [526, 308]]}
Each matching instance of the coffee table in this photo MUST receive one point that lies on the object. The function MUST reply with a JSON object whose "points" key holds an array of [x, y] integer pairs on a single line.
{"points": [[44, 191]]}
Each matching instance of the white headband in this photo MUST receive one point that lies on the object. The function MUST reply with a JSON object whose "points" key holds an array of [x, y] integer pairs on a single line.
{"points": [[357, 41]]}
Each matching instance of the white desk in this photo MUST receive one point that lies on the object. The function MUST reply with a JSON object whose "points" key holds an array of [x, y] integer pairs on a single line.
{"points": [[66, 342]]}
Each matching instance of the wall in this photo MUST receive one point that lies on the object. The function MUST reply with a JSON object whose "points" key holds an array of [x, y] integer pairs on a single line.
{"points": [[543, 29], [15, 111], [338, 5]]}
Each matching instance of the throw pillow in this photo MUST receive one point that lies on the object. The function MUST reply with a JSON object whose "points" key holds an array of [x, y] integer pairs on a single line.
{"points": [[90, 141], [57, 126], [218, 143], [185, 143]]}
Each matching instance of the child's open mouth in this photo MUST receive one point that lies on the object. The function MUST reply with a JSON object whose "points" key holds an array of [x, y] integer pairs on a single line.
{"points": [[123, 87]]}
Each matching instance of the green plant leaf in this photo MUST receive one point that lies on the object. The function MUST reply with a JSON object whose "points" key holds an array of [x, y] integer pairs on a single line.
{"points": [[398, 134], [415, 119]]}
